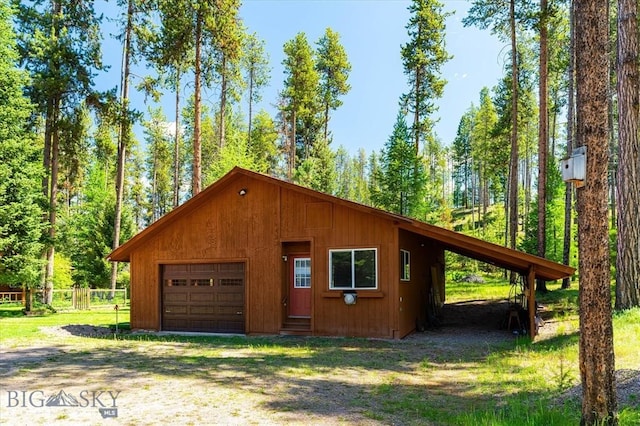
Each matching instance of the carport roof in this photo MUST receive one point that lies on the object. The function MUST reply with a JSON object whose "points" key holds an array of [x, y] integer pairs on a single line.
{"points": [[491, 253], [453, 241]]}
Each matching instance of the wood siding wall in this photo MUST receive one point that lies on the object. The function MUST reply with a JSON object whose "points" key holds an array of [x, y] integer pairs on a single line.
{"points": [[414, 294], [254, 229]]}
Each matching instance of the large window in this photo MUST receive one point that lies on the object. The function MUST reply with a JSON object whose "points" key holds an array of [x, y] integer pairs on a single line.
{"points": [[405, 265], [353, 269]]}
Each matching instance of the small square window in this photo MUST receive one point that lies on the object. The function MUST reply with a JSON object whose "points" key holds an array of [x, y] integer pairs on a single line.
{"points": [[405, 265]]}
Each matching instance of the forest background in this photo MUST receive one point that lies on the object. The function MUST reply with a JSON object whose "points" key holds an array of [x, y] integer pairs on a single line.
{"points": [[69, 141], [77, 178]]}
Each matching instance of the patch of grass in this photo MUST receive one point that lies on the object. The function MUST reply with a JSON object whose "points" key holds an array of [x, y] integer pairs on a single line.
{"points": [[494, 287], [515, 412], [11, 310], [514, 382], [629, 416], [626, 325], [16, 326]]}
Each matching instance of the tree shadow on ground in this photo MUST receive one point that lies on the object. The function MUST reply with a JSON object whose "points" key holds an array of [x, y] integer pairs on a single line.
{"points": [[423, 378]]}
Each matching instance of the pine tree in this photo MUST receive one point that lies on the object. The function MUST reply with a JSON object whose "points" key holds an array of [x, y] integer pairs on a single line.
{"points": [[571, 125], [262, 145], [502, 18], [462, 161], [401, 177], [423, 57], [256, 65], [318, 171], [599, 403], [21, 198], [59, 43], [158, 162], [628, 259], [228, 34], [333, 68], [482, 142], [300, 99]]}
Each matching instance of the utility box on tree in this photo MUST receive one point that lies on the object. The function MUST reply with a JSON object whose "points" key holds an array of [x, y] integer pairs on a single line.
{"points": [[574, 168]]}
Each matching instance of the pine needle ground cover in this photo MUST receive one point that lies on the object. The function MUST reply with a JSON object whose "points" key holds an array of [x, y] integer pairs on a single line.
{"points": [[443, 377]]}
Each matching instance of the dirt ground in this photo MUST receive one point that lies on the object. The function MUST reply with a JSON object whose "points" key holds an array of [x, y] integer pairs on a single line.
{"points": [[70, 377]]}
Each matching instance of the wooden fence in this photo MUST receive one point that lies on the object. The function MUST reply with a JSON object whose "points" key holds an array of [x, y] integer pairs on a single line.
{"points": [[12, 296], [76, 298], [81, 298]]}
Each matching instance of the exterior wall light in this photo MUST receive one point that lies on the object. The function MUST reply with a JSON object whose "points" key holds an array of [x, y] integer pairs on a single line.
{"points": [[350, 298]]}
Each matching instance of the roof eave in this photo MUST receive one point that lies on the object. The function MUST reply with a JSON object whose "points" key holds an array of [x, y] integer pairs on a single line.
{"points": [[491, 253]]}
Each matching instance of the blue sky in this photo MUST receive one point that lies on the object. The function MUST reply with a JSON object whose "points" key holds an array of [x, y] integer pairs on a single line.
{"points": [[372, 32]]}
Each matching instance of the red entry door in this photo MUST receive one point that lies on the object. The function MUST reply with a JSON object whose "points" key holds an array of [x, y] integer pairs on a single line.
{"points": [[300, 287]]}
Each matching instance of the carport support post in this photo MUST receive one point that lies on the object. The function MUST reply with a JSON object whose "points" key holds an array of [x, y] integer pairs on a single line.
{"points": [[531, 279]]}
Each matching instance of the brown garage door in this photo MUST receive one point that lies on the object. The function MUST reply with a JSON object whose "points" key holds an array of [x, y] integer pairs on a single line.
{"points": [[203, 297]]}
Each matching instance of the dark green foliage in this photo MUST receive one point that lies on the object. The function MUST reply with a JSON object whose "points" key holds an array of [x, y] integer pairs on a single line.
{"points": [[462, 161], [333, 68], [60, 50], [301, 94], [318, 172], [89, 232], [262, 146], [401, 178], [423, 57], [554, 216], [21, 201]]}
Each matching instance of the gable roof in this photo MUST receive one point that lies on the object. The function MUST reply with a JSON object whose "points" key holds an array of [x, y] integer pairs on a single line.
{"points": [[453, 241]]}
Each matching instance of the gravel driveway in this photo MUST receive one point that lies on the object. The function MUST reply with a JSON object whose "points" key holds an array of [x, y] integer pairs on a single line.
{"points": [[79, 375]]}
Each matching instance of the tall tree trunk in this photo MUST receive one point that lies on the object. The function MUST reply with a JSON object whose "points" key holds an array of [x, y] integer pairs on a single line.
{"points": [[292, 148], [46, 153], [250, 123], [628, 182], [599, 405], [326, 121], [568, 198], [474, 179], [46, 181], [416, 116], [155, 199], [176, 146], [613, 148], [123, 142], [196, 179], [223, 102], [553, 130], [543, 142], [527, 177], [51, 151], [53, 201], [513, 161]]}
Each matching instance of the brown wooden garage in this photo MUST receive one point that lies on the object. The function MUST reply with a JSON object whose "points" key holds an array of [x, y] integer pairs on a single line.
{"points": [[207, 297], [235, 258]]}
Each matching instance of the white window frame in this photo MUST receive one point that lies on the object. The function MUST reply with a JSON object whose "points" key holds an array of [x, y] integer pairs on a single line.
{"points": [[405, 265], [353, 274], [298, 277]]}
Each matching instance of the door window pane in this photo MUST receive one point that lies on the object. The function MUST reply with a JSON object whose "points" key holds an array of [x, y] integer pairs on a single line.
{"points": [[302, 273]]}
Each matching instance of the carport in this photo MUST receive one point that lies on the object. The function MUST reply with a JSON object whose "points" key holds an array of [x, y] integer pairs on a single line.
{"points": [[529, 266]]}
